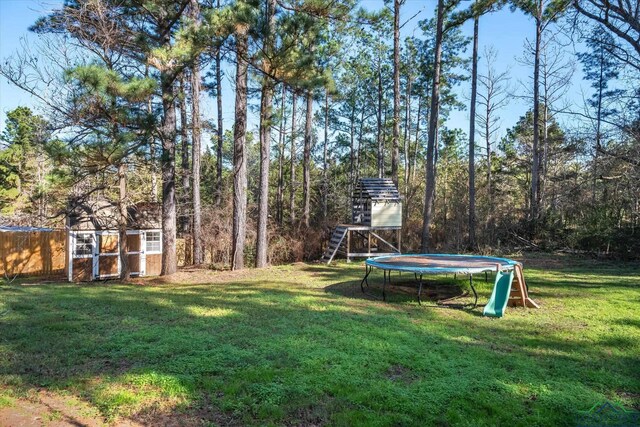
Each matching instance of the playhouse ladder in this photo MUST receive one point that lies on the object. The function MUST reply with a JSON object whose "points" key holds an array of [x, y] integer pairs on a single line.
{"points": [[334, 244], [519, 295]]}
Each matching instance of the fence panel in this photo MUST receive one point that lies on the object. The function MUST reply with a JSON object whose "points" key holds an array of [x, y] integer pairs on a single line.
{"points": [[32, 253]]}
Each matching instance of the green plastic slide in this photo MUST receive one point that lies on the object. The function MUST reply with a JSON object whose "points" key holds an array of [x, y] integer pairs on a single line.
{"points": [[500, 295]]}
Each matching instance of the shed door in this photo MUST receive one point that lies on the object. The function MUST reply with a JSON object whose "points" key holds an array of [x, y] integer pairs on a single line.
{"points": [[135, 252], [83, 249], [108, 254]]}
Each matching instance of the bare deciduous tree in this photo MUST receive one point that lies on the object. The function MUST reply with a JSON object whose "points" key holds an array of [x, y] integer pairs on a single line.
{"points": [[493, 95]]}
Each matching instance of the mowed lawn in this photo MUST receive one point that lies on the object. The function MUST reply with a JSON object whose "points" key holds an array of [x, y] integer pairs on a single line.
{"points": [[301, 345]]}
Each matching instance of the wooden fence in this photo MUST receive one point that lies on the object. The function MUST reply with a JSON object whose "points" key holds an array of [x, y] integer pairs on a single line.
{"points": [[32, 253]]}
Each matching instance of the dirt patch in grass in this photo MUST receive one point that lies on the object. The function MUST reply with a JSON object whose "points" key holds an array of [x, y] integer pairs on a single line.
{"points": [[308, 417], [399, 373], [201, 414], [406, 289], [202, 276], [314, 415], [45, 408], [191, 275], [633, 398], [194, 275]]}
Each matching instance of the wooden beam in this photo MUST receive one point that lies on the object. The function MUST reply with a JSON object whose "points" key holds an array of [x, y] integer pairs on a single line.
{"points": [[370, 254], [388, 244]]}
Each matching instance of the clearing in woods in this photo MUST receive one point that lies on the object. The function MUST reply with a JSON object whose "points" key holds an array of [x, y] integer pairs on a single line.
{"points": [[301, 345]]}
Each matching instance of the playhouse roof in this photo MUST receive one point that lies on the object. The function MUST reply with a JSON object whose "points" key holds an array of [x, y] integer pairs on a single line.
{"points": [[377, 189]]}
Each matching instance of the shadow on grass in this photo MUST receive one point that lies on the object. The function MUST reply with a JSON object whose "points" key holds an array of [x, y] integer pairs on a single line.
{"points": [[286, 353], [404, 291]]}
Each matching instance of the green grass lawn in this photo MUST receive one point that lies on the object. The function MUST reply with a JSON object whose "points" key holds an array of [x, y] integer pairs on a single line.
{"points": [[301, 345]]}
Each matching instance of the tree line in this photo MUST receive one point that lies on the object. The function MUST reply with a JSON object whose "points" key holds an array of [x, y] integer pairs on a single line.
{"points": [[126, 86]]}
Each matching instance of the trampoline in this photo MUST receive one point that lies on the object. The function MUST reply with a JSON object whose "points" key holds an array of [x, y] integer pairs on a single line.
{"points": [[423, 264]]}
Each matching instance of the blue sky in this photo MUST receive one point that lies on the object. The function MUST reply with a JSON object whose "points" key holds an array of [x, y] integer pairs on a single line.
{"points": [[15, 18], [506, 31]]}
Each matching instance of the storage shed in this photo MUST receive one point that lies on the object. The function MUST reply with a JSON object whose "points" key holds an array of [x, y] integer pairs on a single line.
{"points": [[94, 241]]}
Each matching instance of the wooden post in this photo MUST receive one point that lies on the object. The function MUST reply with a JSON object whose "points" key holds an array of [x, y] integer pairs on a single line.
{"points": [[522, 287], [368, 242], [348, 245]]}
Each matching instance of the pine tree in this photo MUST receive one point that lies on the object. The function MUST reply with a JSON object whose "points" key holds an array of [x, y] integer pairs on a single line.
{"points": [[600, 68], [544, 12]]}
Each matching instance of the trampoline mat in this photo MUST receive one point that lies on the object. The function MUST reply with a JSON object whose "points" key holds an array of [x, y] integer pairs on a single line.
{"points": [[437, 263]]}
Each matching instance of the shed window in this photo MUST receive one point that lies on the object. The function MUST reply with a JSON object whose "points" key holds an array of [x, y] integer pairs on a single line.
{"points": [[153, 242], [84, 245]]}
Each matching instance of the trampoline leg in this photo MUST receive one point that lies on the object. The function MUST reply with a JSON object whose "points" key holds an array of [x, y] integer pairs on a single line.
{"points": [[486, 277], [384, 284], [475, 294], [420, 290], [366, 275]]}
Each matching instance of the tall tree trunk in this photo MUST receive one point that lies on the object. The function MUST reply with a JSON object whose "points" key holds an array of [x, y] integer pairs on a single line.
{"points": [[152, 150], [384, 136], [545, 140], [472, 138], [352, 149], [359, 150], [266, 117], [535, 161], [154, 169], [306, 164], [220, 134], [239, 158], [280, 191], [544, 158], [414, 156], [40, 184], [379, 123], [168, 166], [292, 165], [184, 220], [325, 183], [196, 143], [596, 149], [184, 140], [125, 270], [430, 187], [396, 92], [196, 128], [407, 137], [219, 131], [487, 132], [265, 157], [445, 201]]}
